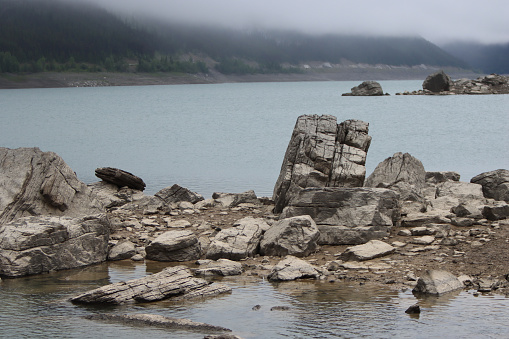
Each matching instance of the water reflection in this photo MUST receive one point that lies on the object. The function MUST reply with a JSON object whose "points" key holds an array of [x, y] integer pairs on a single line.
{"points": [[38, 307]]}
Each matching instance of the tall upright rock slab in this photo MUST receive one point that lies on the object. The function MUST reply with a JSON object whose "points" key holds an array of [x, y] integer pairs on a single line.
{"points": [[322, 153]]}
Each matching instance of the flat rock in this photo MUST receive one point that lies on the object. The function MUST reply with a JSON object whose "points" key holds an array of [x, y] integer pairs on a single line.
{"points": [[175, 282], [293, 236], [370, 250], [220, 267], [291, 268], [437, 282], [343, 235], [178, 245], [155, 320], [177, 193], [34, 245], [424, 240], [120, 178]]}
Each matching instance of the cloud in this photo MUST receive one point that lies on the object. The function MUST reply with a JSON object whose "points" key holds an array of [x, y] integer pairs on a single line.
{"points": [[436, 20]]}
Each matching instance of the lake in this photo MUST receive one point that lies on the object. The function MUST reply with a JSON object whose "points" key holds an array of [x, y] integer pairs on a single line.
{"points": [[232, 138]]}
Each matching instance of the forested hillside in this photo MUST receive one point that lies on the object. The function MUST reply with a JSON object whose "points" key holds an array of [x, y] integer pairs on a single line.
{"points": [[53, 35]]}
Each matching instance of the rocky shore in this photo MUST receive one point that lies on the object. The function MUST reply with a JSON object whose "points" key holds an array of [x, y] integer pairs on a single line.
{"points": [[401, 226]]}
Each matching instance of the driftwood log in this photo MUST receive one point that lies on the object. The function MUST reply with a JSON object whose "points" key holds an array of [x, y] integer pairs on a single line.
{"points": [[120, 178]]}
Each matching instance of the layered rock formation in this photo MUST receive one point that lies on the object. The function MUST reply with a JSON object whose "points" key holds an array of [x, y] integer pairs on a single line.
{"points": [[322, 153], [367, 88], [120, 178], [33, 182]]}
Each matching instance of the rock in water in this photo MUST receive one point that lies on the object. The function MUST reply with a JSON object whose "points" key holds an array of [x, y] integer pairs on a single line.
{"points": [[291, 268], [174, 246], [178, 193], [33, 182], [367, 88], [34, 245], [175, 282], [120, 178], [322, 153], [437, 282], [437, 82]]}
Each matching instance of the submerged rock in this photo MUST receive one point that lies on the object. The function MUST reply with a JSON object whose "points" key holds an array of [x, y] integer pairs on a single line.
{"points": [[176, 282]]}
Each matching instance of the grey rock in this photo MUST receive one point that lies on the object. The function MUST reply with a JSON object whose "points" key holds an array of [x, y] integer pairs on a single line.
{"points": [[175, 282], [367, 88], [437, 82], [322, 153], [461, 190], [293, 236], [424, 240], [34, 245], [343, 235], [181, 245], [123, 250], [437, 282], [370, 250], [351, 207], [496, 212], [34, 183], [178, 193], [120, 178], [414, 309], [155, 320], [462, 222], [468, 209], [234, 199], [238, 242], [495, 184], [438, 177], [291, 268], [220, 267]]}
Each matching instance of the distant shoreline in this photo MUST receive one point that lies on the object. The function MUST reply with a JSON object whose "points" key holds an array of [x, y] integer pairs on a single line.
{"points": [[100, 79]]}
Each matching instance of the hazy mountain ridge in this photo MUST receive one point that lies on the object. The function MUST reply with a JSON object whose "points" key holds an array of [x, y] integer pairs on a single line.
{"points": [[61, 32], [486, 58]]}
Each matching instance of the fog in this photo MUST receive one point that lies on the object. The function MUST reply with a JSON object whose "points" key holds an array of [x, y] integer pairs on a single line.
{"points": [[439, 21]]}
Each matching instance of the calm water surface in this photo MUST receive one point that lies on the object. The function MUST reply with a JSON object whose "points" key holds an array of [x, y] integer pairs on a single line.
{"points": [[232, 137], [37, 307]]}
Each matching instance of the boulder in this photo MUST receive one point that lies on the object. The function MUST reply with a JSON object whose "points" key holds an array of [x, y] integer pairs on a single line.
{"points": [[120, 178], [468, 210], [322, 153], [367, 88], [437, 82], [351, 207], [178, 193], [437, 282], [155, 320], [234, 199], [181, 245], [293, 236], [238, 242], [343, 235], [402, 173], [370, 250], [438, 177], [221, 267], [463, 191], [34, 245], [34, 183], [495, 184], [291, 268], [175, 282], [497, 212], [123, 250]]}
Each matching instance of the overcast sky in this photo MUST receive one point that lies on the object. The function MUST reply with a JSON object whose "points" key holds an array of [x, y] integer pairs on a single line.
{"points": [[436, 20]]}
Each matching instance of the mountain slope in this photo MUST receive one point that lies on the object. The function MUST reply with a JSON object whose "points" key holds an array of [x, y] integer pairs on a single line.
{"points": [[492, 58]]}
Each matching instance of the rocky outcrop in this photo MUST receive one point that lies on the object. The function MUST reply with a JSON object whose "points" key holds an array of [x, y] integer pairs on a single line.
{"points": [[120, 178], [34, 183], [34, 245], [402, 173], [347, 215], [235, 199], [370, 250], [367, 88], [174, 246], [437, 82], [293, 236], [495, 184], [176, 283], [437, 282], [155, 320], [438, 177], [238, 242], [322, 153], [291, 268], [177, 193]]}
